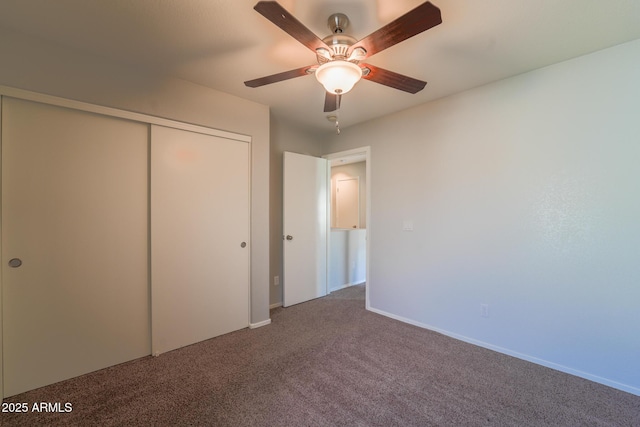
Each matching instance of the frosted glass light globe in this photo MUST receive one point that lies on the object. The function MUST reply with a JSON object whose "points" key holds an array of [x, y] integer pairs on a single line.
{"points": [[338, 77]]}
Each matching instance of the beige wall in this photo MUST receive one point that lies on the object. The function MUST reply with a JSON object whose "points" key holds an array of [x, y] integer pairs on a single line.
{"points": [[524, 197]]}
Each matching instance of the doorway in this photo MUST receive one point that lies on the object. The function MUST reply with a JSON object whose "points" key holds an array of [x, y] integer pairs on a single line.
{"points": [[348, 246]]}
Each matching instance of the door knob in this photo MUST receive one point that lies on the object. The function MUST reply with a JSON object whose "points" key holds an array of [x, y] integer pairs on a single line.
{"points": [[15, 262], [289, 237], [243, 244]]}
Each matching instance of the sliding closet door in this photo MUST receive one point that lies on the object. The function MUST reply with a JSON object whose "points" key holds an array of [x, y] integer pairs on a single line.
{"points": [[74, 243], [199, 237]]}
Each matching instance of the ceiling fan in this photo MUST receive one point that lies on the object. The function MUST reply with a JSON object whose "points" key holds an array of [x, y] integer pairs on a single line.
{"points": [[339, 55]]}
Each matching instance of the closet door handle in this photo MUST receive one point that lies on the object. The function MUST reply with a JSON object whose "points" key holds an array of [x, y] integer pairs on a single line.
{"points": [[15, 262], [289, 237]]}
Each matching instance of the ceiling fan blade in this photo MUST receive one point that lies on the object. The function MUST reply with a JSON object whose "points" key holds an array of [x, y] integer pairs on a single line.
{"points": [[274, 78], [331, 102], [289, 24], [408, 25], [394, 80]]}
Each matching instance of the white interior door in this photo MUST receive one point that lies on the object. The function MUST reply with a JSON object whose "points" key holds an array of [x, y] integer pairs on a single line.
{"points": [[75, 287], [199, 237], [305, 228], [348, 203]]}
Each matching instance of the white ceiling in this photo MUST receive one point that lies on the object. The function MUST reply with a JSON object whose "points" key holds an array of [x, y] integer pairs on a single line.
{"points": [[221, 43]]}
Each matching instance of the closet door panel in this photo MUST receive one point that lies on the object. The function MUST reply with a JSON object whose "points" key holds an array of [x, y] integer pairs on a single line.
{"points": [[75, 213], [199, 222]]}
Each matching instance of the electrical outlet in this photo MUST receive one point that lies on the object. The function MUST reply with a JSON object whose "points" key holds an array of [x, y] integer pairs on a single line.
{"points": [[276, 280], [484, 310]]}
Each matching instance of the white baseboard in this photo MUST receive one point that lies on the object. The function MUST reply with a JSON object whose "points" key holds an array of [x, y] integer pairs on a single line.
{"points": [[276, 305], [259, 324], [532, 359]]}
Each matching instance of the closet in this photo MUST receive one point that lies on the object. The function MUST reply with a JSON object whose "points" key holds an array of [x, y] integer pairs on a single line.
{"points": [[111, 226]]}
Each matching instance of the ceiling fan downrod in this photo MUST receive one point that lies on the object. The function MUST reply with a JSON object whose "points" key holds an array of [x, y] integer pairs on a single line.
{"points": [[338, 41], [338, 22]]}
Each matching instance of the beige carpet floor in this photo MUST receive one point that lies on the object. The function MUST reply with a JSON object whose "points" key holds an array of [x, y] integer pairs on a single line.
{"points": [[329, 362]]}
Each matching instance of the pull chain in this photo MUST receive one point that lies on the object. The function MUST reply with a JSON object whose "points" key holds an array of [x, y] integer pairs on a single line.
{"points": [[334, 118]]}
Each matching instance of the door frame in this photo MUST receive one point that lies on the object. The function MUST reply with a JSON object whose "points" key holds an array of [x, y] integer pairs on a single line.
{"points": [[366, 152]]}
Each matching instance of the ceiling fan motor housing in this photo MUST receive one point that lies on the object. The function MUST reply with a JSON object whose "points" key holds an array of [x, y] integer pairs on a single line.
{"points": [[340, 44]]}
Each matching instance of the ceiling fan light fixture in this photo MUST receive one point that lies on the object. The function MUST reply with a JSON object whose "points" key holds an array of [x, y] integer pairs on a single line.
{"points": [[338, 77]]}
